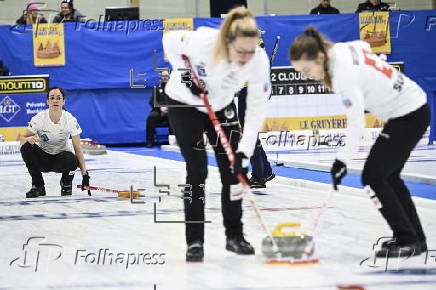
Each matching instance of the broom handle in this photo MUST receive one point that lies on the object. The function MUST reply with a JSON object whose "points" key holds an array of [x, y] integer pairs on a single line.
{"points": [[309, 247], [101, 189], [228, 149]]}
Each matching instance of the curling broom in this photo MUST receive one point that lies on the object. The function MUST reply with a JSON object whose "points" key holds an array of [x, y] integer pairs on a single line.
{"points": [[121, 193]]}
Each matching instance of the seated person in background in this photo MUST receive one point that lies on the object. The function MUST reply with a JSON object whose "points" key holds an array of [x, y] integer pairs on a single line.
{"points": [[68, 13], [372, 5], [4, 70], [158, 114], [45, 146], [31, 15], [324, 8]]}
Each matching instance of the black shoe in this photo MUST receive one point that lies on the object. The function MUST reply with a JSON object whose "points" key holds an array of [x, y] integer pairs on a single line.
{"points": [[195, 252], [271, 177], [393, 250], [35, 191], [392, 243], [149, 144], [257, 184], [239, 246], [66, 188]]}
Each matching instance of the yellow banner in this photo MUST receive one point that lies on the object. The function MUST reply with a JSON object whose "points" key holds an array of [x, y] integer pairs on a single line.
{"points": [[10, 134], [315, 123], [177, 24], [48, 44], [374, 28]]}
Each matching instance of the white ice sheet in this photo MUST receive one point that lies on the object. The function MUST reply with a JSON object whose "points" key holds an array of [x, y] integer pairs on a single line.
{"points": [[69, 232]]}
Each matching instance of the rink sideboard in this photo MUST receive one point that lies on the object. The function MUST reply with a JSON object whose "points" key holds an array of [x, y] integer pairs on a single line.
{"points": [[109, 73]]}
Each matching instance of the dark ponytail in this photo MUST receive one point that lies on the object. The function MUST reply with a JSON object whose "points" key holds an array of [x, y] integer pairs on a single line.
{"points": [[308, 46]]}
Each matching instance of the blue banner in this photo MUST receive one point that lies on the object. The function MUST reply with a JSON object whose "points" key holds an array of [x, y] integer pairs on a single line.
{"points": [[21, 98], [17, 110], [102, 62]]}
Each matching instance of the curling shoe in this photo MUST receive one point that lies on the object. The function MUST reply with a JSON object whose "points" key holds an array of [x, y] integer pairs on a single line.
{"points": [[66, 188], [239, 246], [35, 191], [195, 252], [392, 243], [394, 250]]}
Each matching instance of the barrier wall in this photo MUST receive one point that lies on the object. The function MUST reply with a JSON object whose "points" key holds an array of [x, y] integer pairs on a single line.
{"points": [[100, 60]]}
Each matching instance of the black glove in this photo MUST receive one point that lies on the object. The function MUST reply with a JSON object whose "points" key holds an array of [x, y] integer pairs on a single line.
{"points": [[241, 165], [85, 182], [187, 80], [338, 171]]}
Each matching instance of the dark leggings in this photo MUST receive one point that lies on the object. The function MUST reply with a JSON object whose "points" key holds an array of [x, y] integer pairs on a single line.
{"points": [[382, 173], [189, 124], [38, 161]]}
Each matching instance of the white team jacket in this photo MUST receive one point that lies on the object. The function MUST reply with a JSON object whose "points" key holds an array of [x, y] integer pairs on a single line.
{"points": [[222, 80], [54, 137], [366, 82]]}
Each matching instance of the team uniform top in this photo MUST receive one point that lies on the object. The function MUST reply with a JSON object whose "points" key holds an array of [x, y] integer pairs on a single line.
{"points": [[54, 137], [222, 80], [366, 82]]}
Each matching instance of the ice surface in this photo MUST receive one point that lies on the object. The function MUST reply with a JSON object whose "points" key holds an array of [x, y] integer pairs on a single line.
{"points": [[53, 242]]}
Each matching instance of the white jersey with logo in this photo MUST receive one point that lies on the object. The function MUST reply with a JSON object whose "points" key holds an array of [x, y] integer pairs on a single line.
{"points": [[222, 80], [366, 82], [53, 138]]}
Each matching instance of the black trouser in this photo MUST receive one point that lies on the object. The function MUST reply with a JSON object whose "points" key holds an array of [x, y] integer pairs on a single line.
{"points": [[37, 161], [382, 173], [261, 168], [188, 125], [153, 120]]}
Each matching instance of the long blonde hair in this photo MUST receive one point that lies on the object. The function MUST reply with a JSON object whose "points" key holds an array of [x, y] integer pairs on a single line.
{"points": [[29, 18], [239, 22], [307, 47]]}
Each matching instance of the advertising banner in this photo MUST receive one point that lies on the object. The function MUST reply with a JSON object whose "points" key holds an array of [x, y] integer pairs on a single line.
{"points": [[21, 98], [48, 44], [374, 29]]}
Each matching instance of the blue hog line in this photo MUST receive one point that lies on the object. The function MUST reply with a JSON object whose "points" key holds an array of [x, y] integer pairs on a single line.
{"points": [[75, 215], [95, 214], [57, 201], [18, 163]]}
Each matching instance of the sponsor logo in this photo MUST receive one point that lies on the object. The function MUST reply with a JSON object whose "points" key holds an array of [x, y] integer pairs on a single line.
{"points": [[229, 113], [265, 87], [23, 85], [347, 102], [44, 138], [8, 109]]}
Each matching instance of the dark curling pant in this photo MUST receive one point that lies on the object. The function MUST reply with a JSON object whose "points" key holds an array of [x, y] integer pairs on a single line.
{"points": [[382, 173], [37, 161], [154, 119], [188, 125], [260, 166]]}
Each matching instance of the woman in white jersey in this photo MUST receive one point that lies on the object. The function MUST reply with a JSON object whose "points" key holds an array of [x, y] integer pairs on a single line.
{"points": [[366, 82], [45, 146], [224, 60]]}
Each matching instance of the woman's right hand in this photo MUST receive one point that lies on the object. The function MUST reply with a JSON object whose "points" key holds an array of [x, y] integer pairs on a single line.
{"points": [[32, 139]]}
